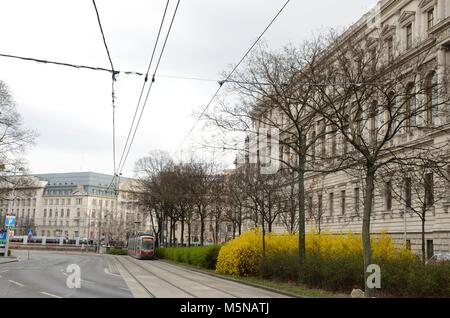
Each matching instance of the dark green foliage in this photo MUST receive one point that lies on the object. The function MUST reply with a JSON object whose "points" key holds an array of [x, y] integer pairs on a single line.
{"points": [[202, 256], [399, 277], [117, 251]]}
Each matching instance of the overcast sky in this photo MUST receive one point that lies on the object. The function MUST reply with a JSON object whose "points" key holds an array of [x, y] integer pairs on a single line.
{"points": [[71, 109]]}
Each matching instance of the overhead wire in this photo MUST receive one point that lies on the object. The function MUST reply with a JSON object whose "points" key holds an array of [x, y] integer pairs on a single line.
{"points": [[229, 76]]}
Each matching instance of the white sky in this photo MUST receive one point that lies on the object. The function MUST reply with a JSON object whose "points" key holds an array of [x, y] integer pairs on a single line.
{"points": [[71, 109]]}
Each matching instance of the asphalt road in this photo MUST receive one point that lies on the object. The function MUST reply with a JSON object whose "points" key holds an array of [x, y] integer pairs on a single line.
{"points": [[45, 274]]}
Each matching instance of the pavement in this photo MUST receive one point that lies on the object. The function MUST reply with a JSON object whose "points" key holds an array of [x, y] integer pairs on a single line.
{"points": [[51, 274]]}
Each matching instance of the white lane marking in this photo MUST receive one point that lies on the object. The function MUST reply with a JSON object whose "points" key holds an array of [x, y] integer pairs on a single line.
{"points": [[109, 273], [4, 271], [17, 283], [51, 295]]}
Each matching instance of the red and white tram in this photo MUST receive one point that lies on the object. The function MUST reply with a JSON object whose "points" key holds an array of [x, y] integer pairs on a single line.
{"points": [[142, 246]]}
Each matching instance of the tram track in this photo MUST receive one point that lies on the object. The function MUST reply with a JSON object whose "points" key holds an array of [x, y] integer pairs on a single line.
{"points": [[135, 278], [129, 259], [191, 279]]}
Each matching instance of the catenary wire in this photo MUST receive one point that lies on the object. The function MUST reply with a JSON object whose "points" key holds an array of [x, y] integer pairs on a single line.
{"points": [[230, 74]]}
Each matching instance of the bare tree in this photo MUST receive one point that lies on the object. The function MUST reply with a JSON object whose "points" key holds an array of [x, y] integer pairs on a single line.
{"points": [[420, 184], [14, 139], [371, 103]]}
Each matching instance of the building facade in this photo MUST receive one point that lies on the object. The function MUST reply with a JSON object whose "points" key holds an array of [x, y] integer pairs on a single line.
{"points": [[75, 205], [410, 27]]}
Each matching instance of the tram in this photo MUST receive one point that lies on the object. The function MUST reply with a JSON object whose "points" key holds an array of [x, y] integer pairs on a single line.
{"points": [[141, 246]]}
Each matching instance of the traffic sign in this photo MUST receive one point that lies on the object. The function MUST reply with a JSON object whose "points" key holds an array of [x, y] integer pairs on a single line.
{"points": [[10, 220], [3, 235]]}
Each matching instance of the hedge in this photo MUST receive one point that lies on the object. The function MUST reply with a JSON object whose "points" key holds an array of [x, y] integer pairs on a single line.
{"points": [[201, 256]]}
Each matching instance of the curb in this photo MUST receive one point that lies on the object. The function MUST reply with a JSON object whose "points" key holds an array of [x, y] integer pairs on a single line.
{"points": [[235, 280], [6, 261]]}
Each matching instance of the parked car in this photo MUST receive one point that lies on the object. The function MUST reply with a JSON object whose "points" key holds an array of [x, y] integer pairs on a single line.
{"points": [[439, 259]]}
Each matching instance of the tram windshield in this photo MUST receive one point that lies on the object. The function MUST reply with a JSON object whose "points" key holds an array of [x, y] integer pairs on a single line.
{"points": [[147, 243]]}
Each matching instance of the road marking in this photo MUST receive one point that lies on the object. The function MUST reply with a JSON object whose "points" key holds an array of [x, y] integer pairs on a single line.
{"points": [[109, 273], [17, 283], [51, 295]]}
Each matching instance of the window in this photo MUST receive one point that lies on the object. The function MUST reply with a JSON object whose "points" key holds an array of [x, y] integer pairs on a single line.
{"points": [[313, 146], [69, 202], [331, 203], [429, 190], [310, 206], [322, 132], [394, 112], [411, 105], [50, 213], [68, 213], [79, 201], [45, 213], [63, 202], [430, 18], [432, 98], [390, 48], [343, 202], [93, 214], [430, 249], [56, 213], [376, 121], [333, 144], [388, 195], [78, 212], [373, 59], [356, 200], [409, 36], [408, 193]]}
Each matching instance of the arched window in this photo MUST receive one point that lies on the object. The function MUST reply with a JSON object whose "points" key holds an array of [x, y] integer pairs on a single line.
{"points": [[394, 112], [411, 105], [432, 98], [376, 120]]}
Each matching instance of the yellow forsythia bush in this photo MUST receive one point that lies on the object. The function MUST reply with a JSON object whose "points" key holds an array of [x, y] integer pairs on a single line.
{"points": [[242, 255]]}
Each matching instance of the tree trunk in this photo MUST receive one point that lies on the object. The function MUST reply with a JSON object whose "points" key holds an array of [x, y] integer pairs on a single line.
{"points": [[301, 210], [189, 233], [423, 238], [170, 232], [367, 252], [202, 229], [182, 231], [263, 238]]}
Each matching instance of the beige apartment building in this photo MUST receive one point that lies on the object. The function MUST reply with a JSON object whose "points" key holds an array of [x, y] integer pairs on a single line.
{"points": [[411, 26], [75, 205]]}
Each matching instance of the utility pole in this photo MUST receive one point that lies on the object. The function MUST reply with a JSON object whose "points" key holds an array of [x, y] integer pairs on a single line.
{"points": [[11, 197], [100, 219]]}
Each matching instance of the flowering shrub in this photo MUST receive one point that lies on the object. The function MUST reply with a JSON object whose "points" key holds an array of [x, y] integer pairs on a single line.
{"points": [[242, 256], [333, 262]]}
